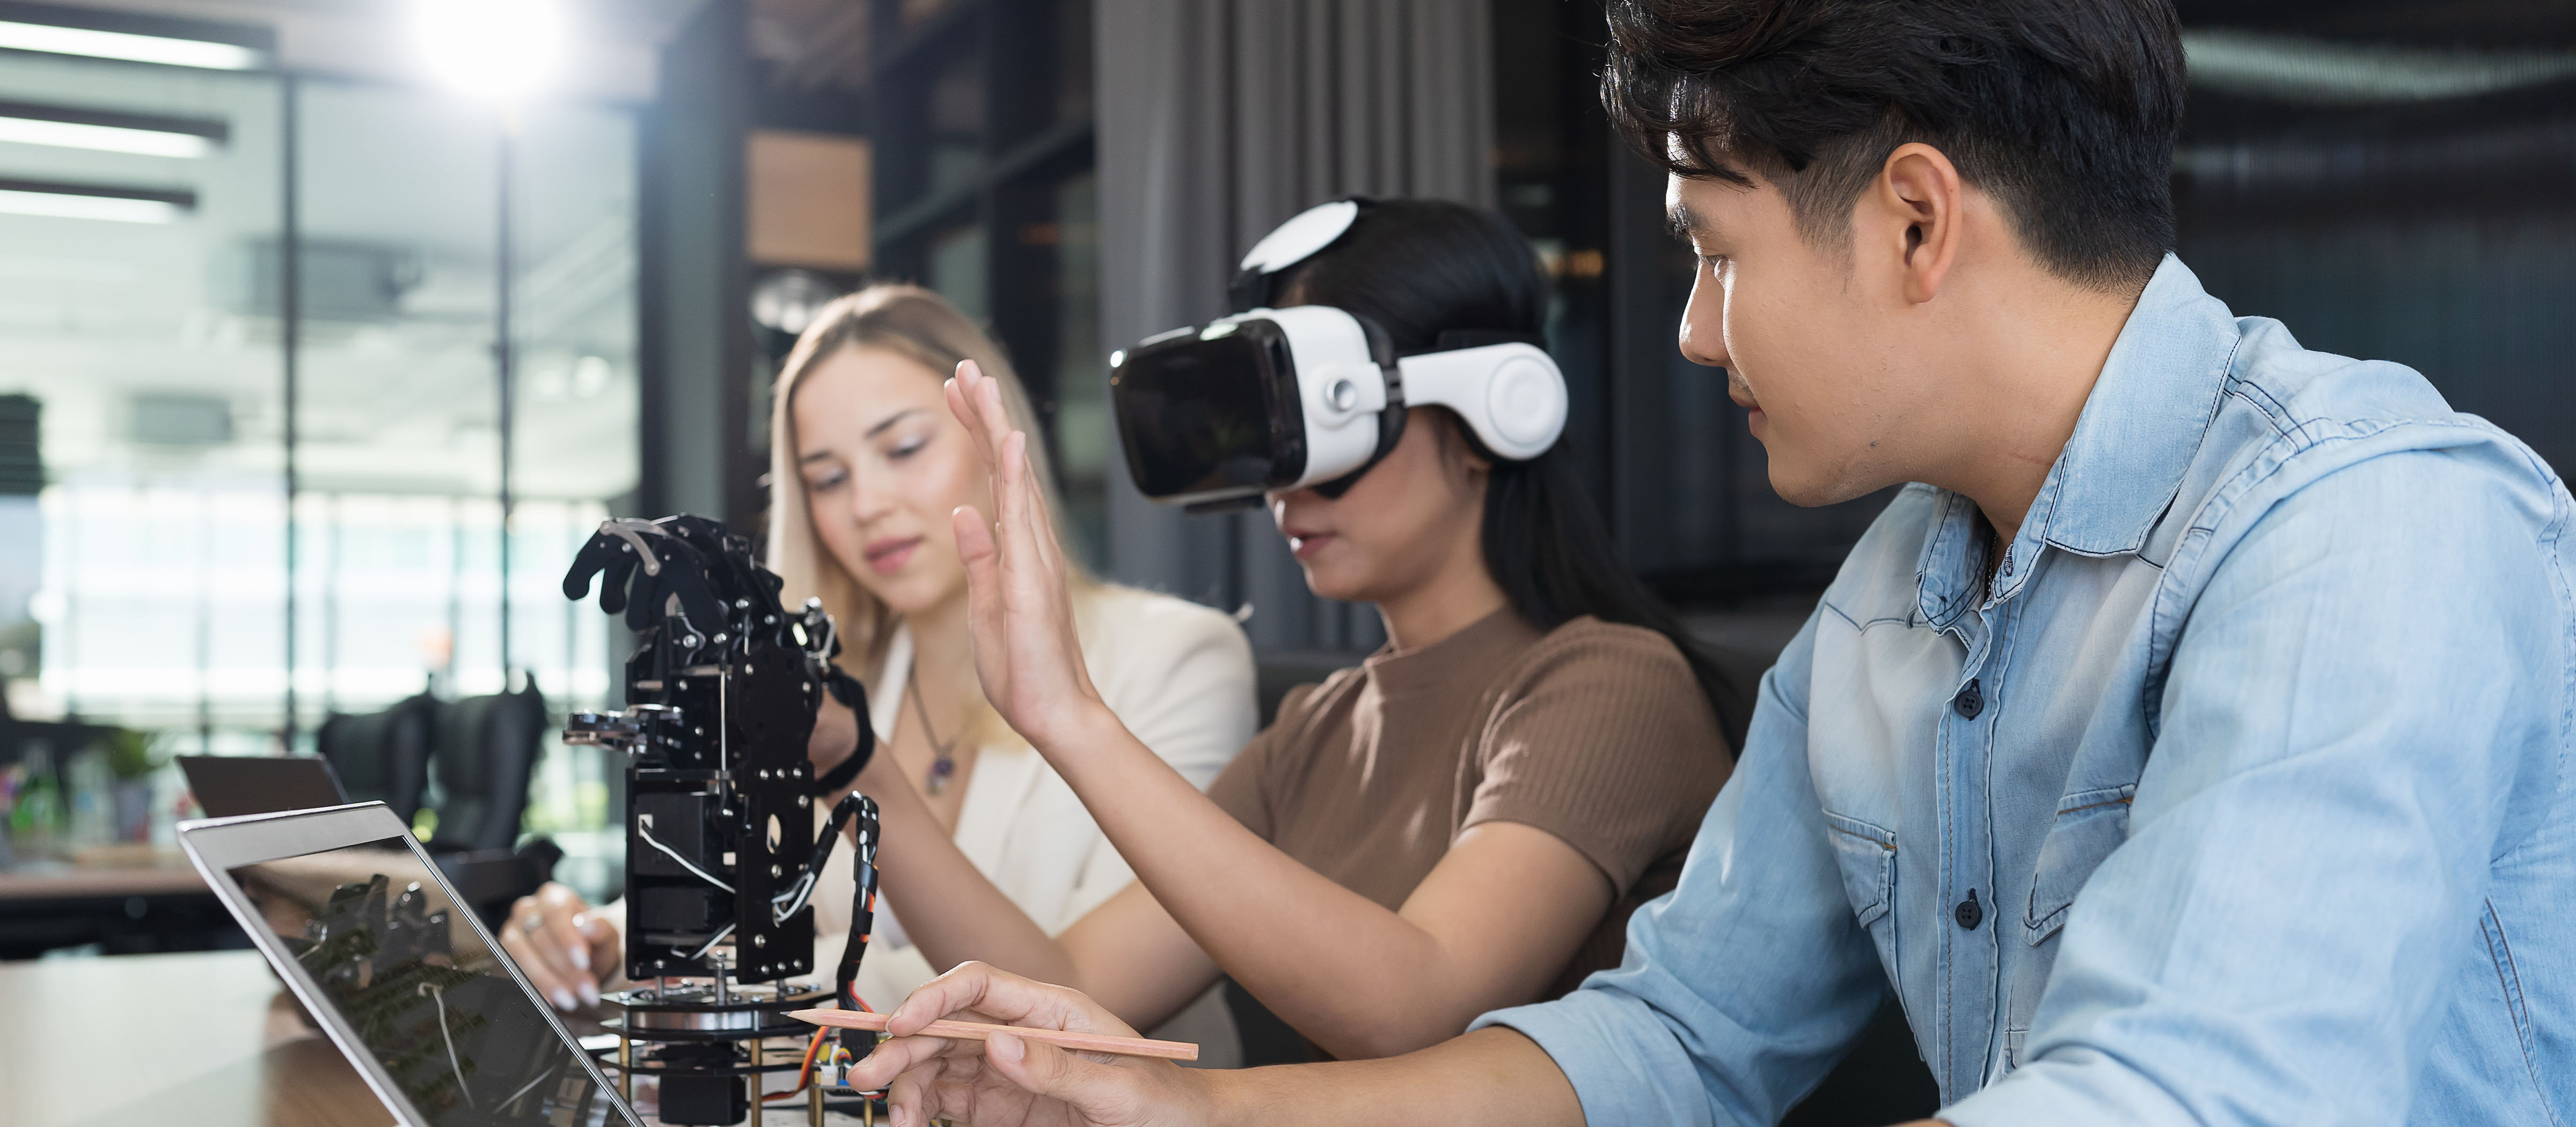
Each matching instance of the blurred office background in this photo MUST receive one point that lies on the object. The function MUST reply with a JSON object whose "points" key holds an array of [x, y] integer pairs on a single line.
{"points": [[316, 362]]}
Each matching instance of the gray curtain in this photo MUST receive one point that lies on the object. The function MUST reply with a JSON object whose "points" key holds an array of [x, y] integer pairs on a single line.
{"points": [[1217, 120]]}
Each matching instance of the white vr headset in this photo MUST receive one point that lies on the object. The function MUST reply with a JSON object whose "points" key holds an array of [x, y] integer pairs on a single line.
{"points": [[1311, 396]]}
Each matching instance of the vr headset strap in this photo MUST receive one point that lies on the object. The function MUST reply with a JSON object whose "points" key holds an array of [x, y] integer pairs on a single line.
{"points": [[1451, 340]]}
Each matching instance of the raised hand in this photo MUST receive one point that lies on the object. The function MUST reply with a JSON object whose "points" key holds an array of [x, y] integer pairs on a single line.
{"points": [[1011, 1082], [1019, 610]]}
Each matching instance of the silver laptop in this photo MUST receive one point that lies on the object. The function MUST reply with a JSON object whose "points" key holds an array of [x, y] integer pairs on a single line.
{"points": [[417, 995]]}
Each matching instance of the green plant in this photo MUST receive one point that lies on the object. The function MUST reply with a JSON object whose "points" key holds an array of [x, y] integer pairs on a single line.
{"points": [[129, 753]]}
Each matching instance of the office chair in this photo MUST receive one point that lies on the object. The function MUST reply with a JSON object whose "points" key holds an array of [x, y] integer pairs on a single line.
{"points": [[383, 756], [484, 756]]}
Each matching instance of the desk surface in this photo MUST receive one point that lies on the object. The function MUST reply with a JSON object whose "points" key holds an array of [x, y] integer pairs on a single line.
{"points": [[222, 1050], [226, 1049], [112, 871]]}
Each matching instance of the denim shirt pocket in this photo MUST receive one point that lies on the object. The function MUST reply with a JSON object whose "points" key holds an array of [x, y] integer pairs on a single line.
{"points": [[2088, 827], [1866, 854]]}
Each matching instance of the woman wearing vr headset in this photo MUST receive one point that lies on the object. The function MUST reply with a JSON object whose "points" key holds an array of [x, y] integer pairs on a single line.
{"points": [[1462, 822], [867, 464]]}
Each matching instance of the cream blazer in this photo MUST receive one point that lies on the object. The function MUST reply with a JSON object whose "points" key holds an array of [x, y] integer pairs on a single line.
{"points": [[1177, 674]]}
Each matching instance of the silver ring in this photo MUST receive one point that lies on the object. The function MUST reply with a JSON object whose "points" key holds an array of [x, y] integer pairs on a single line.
{"points": [[532, 924]]}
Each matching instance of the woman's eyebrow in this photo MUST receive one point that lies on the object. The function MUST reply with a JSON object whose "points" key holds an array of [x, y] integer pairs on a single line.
{"points": [[891, 420]]}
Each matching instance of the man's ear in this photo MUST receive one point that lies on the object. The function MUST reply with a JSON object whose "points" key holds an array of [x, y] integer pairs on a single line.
{"points": [[1917, 196]]}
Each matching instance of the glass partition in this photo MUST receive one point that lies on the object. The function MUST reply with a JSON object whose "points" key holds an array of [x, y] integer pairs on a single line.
{"points": [[140, 342], [147, 426]]}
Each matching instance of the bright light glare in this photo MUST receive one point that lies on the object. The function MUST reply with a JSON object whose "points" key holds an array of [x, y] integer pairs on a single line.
{"points": [[116, 209], [110, 138], [496, 49], [121, 45]]}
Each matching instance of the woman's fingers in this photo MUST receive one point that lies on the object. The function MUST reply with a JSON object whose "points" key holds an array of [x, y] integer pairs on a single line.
{"points": [[985, 626], [1010, 496], [1032, 512], [1018, 612], [1016, 497], [1031, 508], [1026, 536], [975, 543], [607, 951], [1042, 518], [985, 393], [961, 403], [538, 954], [562, 909], [531, 963]]}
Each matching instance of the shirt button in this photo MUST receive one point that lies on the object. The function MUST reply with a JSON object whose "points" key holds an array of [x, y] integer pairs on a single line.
{"points": [[1969, 702], [1969, 911]]}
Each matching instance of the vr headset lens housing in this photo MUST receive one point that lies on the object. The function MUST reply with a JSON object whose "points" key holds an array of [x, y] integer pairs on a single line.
{"points": [[1273, 399], [1279, 399]]}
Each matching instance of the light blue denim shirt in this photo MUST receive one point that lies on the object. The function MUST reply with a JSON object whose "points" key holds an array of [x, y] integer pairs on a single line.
{"points": [[2255, 767]]}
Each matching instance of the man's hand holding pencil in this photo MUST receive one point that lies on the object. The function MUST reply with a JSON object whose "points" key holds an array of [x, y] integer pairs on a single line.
{"points": [[1015, 1081]]}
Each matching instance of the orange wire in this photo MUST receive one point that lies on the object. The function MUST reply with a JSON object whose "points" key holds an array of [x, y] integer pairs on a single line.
{"points": [[805, 1073]]}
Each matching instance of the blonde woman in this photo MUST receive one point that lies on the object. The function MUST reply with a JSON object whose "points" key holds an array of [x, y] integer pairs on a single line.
{"points": [[867, 464]]}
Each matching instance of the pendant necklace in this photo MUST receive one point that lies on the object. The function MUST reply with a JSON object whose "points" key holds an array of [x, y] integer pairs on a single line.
{"points": [[943, 765]]}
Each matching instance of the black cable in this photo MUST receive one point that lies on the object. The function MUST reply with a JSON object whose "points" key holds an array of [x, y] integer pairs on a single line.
{"points": [[863, 916], [846, 689]]}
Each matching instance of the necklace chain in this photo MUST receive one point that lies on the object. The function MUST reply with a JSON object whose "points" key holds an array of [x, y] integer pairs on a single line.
{"points": [[943, 764]]}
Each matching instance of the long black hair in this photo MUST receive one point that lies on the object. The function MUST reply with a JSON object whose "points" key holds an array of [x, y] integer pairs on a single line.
{"points": [[1420, 268]]}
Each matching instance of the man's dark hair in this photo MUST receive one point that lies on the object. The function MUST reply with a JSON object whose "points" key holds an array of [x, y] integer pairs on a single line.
{"points": [[2064, 110]]}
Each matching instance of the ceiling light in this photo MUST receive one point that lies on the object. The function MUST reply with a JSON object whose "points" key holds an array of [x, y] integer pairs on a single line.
{"points": [[113, 132], [496, 49], [128, 46], [2295, 69], [90, 201], [104, 137]]}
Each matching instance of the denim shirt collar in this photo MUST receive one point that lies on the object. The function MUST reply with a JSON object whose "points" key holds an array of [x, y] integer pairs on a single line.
{"points": [[2144, 422], [2141, 427]]}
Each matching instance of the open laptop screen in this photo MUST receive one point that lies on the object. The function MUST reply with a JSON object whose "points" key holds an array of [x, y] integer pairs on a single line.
{"points": [[229, 786], [432, 1002]]}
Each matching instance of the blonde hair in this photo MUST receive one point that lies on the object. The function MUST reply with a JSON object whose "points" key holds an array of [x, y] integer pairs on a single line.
{"points": [[917, 324]]}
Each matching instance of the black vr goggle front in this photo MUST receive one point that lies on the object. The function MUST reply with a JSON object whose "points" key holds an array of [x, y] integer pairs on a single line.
{"points": [[1215, 416]]}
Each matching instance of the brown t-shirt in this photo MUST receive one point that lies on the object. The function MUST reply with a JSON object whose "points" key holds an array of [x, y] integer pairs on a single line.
{"points": [[1594, 732]]}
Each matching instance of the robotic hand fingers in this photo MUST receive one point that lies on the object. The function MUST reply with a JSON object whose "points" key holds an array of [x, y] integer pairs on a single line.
{"points": [[618, 548], [656, 571], [724, 559]]}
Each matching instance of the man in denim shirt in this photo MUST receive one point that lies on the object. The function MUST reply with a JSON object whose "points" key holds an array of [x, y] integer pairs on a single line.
{"points": [[2189, 745]]}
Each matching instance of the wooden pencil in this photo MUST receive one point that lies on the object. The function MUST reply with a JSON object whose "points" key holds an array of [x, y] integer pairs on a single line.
{"points": [[978, 1031]]}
